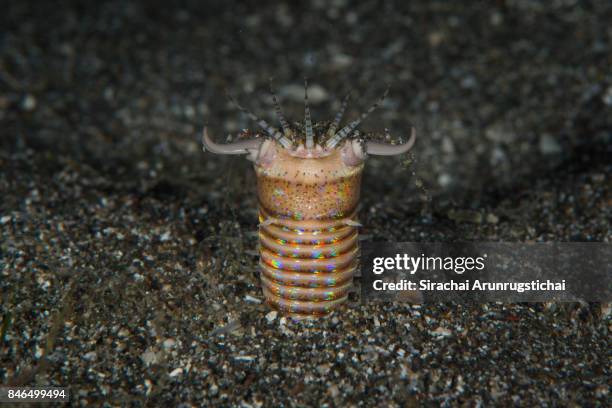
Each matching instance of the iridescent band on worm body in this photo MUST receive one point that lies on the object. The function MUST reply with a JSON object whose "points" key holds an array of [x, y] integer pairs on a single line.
{"points": [[307, 277]]}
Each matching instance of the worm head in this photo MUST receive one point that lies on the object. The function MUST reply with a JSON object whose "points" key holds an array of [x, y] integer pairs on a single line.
{"points": [[310, 142]]}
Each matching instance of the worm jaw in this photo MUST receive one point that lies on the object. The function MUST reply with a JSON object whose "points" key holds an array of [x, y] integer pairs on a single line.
{"points": [[352, 153], [265, 155]]}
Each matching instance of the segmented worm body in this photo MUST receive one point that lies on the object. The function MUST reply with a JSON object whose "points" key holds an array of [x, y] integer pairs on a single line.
{"points": [[308, 187]]}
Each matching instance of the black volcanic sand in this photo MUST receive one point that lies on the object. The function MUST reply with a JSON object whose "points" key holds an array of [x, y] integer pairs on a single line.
{"points": [[127, 256]]}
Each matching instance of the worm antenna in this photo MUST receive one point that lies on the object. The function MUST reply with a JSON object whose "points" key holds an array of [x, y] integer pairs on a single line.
{"points": [[307, 118], [286, 143], [345, 131], [383, 149], [332, 128], [240, 147], [279, 112]]}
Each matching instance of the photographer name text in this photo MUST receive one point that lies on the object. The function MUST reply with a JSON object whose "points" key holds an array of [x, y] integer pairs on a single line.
{"points": [[467, 285], [459, 265]]}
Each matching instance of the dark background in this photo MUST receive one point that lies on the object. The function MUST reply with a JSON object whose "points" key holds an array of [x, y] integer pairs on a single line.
{"points": [[126, 254]]}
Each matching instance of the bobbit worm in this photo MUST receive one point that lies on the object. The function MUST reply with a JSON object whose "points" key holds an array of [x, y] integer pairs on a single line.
{"points": [[308, 187]]}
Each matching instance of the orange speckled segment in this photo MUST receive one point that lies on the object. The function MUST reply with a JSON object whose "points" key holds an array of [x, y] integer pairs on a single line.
{"points": [[308, 188], [308, 239]]}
